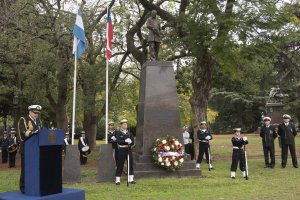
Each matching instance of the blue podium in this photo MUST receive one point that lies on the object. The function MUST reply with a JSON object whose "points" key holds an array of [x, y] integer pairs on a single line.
{"points": [[43, 163], [43, 169]]}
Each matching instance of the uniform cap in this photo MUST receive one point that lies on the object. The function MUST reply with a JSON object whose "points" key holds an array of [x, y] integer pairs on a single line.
{"points": [[35, 108], [286, 116], [237, 129], [111, 122], [82, 132], [123, 121], [203, 122], [267, 119]]}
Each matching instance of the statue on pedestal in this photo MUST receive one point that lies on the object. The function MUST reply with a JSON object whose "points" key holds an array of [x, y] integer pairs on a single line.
{"points": [[154, 36], [276, 96]]}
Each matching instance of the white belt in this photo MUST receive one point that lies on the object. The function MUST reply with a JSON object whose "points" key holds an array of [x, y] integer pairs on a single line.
{"points": [[123, 146], [237, 147], [203, 141]]}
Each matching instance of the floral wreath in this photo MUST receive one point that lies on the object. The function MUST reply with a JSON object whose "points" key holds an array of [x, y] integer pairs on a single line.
{"points": [[168, 153]]}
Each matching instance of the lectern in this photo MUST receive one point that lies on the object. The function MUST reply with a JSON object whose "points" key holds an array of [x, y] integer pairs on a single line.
{"points": [[43, 163]]}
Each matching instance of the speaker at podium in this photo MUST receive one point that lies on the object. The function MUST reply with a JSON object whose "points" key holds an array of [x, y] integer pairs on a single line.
{"points": [[43, 163]]}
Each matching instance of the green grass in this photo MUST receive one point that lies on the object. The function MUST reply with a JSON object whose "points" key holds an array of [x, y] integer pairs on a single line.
{"points": [[262, 184]]}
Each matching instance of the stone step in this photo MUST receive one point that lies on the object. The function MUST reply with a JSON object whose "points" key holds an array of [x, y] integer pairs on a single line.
{"points": [[152, 166], [164, 173], [149, 159]]}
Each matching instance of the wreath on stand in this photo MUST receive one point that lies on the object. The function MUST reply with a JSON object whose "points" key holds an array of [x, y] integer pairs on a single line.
{"points": [[168, 152]]}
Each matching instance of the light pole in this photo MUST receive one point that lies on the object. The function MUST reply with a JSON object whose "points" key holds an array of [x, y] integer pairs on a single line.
{"points": [[15, 104]]}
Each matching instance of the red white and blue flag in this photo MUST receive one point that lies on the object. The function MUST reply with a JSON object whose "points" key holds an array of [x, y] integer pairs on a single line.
{"points": [[109, 35]]}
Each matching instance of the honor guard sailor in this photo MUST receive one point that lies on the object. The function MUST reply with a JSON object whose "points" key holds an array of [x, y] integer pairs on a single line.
{"points": [[268, 135], [111, 136], [67, 141], [125, 141], [238, 154], [84, 149], [4, 145], [12, 148], [287, 133], [204, 136], [28, 126]]}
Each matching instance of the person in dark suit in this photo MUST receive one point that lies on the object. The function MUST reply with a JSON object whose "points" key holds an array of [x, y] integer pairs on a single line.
{"points": [[125, 140], [268, 135], [67, 141], [28, 126], [83, 146], [204, 136], [13, 148], [4, 143], [238, 154], [287, 133], [111, 137]]}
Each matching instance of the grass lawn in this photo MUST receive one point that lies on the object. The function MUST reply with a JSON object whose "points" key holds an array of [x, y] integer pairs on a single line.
{"points": [[262, 184]]}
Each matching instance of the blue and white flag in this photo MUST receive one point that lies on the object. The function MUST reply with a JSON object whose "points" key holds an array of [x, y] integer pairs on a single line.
{"points": [[79, 44]]}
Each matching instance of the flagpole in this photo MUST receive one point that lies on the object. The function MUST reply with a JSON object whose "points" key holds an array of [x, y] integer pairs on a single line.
{"points": [[74, 98], [106, 102]]}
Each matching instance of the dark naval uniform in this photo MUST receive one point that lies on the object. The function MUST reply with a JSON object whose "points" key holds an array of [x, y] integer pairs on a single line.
{"points": [[4, 143], [27, 127], [238, 154], [12, 154], [287, 133], [114, 144], [82, 142], [124, 150], [268, 134], [203, 136]]}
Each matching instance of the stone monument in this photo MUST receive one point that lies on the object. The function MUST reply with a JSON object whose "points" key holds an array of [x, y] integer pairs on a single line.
{"points": [[274, 105], [158, 115]]}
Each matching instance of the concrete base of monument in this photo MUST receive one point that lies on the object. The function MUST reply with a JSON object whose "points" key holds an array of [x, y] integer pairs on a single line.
{"points": [[71, 171], [144, 167], [67, 194], [106, 168]]}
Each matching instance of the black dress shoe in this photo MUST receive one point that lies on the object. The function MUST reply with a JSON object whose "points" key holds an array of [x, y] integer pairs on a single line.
{"points": [[282, 166], [295, 166], [232, 177], [118, 183], [133, 182]]}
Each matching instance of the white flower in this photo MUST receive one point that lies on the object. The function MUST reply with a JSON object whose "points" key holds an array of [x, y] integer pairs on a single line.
{"points": [[157, 139], [173, 146], [167, 159], [173, 157], [162, 163], [180, 144], [167, 148], [164, 141], [168, 164], [176, 142], [175, 163], [154, 149], [160, 159], [181, 160]]}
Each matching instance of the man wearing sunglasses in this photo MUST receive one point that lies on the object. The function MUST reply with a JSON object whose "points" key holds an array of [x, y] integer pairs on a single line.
{"points": [[28, 126]]}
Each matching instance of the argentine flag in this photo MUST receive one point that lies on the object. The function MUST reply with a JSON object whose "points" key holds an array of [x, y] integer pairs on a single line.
{"points": [[79, 44]]}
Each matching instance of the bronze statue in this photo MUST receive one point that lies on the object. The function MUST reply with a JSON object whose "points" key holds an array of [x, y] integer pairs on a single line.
{"points": [[154, 36], [276, 96]]}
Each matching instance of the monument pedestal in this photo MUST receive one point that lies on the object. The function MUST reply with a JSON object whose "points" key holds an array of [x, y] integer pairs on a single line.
{"points": [[106, 168], [158, 115], [71, 172], [274, 110]]}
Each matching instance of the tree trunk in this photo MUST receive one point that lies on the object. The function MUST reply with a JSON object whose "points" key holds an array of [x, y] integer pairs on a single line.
{"points": [[90, 127], [201, 82], [61, 117]]}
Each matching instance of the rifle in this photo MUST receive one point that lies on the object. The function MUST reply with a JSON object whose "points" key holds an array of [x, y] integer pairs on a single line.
{"points": [[246, 162]]}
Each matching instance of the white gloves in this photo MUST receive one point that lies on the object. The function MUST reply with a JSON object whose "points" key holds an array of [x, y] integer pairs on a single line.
{"points": [[113, 138], [207, 137], [245, 138], [128, 140]]}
